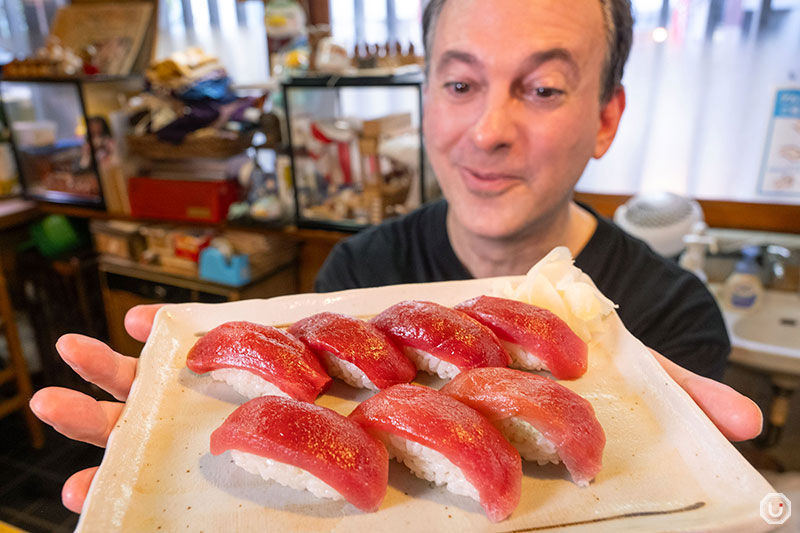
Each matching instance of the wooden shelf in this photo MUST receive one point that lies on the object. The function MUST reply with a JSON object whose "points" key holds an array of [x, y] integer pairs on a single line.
{"points": [[16, 211], [156, 274]]}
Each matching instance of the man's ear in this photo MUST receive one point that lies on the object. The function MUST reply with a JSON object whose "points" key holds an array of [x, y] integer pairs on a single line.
{"points": [[610, 116]]}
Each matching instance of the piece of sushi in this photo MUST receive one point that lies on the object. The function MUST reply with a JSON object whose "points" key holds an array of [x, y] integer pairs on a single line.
{"points": [[535, 337], [440, 340], [543, 419], [258, 360], [306, 446], [446, 442], [354, 350]]}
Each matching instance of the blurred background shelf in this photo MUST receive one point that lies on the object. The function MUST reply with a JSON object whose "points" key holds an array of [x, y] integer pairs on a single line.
{"points": [[127, 283]]}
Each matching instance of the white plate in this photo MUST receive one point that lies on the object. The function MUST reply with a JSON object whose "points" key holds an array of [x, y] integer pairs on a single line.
{"points": [[665, 466]]}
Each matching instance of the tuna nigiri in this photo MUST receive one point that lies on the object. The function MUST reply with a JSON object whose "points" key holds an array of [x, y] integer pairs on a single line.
{"points": [[544, 420], [258, 360], [444, 441], [535, 337], [354, 350], [440, 340], [306, 446]]}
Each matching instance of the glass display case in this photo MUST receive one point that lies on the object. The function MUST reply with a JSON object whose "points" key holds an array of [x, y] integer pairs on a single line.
{"points": [[62, 136], [355, 147]]}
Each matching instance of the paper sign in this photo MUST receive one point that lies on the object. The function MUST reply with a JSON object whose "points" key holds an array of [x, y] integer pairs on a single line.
{"points": [[780, 172]]}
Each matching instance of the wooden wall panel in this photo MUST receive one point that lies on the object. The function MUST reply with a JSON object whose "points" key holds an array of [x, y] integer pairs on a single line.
{"points": [[719, 214], [316, 245]]}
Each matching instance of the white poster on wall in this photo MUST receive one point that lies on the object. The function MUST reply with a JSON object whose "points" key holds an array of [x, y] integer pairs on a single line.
{"points": [[780, 171]]}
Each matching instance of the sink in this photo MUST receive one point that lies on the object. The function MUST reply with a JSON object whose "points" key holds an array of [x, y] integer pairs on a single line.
{"points": [[767, 338]]}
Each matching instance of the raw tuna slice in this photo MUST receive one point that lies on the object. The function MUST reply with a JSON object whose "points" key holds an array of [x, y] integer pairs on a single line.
{"points": [[544, 420], [259, 360], [444, 441], [354, 350], [536, 338], [305, 446], [441, 340]]}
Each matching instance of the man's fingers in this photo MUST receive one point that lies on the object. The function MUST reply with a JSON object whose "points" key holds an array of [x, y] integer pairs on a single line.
{"points": [[76, 488], [97, 363], [139, 320], [735, 415], [76, 415]]}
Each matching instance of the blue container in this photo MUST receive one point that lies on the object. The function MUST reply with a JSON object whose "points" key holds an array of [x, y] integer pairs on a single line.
{"points": [[214, 266]]}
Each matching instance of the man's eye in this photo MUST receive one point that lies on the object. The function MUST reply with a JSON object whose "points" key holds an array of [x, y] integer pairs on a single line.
{"points": [[547, 92], [458, 87]]}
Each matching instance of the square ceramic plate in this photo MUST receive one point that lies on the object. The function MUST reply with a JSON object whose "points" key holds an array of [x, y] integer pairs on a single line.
{"points": [[665, 466]]}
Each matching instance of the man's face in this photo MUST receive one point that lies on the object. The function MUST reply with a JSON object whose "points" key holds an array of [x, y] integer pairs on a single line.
{"points": [[512, 109]]}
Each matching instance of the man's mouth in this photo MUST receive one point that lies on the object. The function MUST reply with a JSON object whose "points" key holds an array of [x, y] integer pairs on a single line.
{"points": [[487, 182]]}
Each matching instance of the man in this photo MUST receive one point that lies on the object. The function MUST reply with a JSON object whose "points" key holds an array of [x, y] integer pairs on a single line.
{"points": [[519, 96], [510, 200]]}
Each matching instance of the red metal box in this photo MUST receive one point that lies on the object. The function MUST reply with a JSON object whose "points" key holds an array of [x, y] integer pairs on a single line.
{"points": [[206, 201]]}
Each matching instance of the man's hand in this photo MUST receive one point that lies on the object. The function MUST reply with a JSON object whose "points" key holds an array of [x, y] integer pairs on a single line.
{"points": [[735, 415], [79, 416], [83, 418]]}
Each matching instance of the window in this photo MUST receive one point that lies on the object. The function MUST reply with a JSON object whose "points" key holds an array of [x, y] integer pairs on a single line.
{"points": [[231, 30], [377, 22], [701, 84]]}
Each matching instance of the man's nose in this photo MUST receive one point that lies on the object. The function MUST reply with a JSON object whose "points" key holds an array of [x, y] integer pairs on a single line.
{"points": [[495, 127]]}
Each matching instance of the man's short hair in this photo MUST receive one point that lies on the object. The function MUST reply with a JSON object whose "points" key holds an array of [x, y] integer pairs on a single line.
{"points": [[619, 37]]}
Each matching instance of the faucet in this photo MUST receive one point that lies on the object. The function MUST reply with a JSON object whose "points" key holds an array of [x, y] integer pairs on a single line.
{"points": [[779, 263]]}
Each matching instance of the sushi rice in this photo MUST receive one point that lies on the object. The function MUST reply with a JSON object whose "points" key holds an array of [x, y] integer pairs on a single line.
{"points": [[246, 383], [285, 474], [429, 464], [431, 364], [529, 442], [522, 358], [346, 371]]}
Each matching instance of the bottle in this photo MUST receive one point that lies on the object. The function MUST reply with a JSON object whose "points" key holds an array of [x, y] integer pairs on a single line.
{"points": [[743, 289], [693, 259]]}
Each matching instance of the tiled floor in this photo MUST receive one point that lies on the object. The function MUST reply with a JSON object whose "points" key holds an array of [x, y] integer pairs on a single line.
{"points": [[31, 480], [786, 454]]}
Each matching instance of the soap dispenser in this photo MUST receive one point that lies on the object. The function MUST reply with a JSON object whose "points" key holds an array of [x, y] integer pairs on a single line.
{"points": [[743, 289], [693, 259]]}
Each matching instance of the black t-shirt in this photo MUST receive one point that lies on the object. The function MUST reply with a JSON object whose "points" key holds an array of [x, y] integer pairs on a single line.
{"points": [[664, 306]]}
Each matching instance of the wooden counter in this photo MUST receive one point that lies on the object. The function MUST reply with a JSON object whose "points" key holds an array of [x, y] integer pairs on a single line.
{"points": [[16, 211]]}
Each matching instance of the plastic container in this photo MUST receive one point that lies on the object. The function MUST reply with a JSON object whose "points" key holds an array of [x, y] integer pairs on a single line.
{"points": [[693, 259], [215, 266], [743, 289]]}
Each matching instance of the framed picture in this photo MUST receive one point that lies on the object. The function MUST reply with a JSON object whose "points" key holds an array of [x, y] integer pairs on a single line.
{"points": [[117, 41]]}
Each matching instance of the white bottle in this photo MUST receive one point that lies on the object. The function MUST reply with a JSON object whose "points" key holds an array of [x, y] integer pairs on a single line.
{"points": [[743, 289], [693, 259]]}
